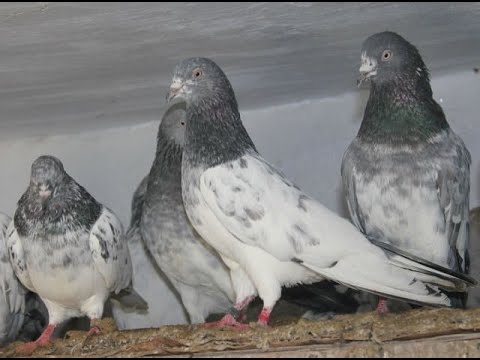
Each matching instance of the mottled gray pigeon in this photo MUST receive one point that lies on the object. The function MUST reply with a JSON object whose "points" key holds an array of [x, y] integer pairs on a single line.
{"points": [[12, 293], [193, 267], [148, 280], [22, 314], [267, 230], [68, 248], [407, 174]]}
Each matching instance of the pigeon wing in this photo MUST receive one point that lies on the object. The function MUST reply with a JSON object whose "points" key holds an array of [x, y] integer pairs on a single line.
{"points": [[110, 252], [10, 267]]}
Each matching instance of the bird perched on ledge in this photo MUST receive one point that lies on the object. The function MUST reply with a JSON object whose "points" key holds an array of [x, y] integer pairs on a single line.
{"points": [[406, 175], [68, 248]]}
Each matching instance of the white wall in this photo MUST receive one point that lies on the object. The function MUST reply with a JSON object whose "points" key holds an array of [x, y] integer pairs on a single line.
{"points": [[307, 140]]}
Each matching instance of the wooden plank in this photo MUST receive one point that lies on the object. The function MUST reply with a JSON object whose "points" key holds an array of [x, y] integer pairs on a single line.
{"points": [[422, 332]]}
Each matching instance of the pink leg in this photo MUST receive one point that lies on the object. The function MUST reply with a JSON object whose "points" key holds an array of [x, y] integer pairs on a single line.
{"points": [[42, 341], [264, 316], [382, 307], [242, 318], [94, 328], [229, 319], [94, 331]]}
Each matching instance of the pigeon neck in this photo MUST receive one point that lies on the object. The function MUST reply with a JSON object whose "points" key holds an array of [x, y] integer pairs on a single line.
{"points": [[401, 112], [215, 134], [168, 159], [168, 150], [72, 205]]}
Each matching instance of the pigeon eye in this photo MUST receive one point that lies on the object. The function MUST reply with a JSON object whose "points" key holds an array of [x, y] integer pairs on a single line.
{"points": [[197, 73], [182, 122], [387, 55]]}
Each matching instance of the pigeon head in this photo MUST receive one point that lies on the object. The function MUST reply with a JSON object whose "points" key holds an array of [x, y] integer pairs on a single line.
{"points": [[197, 80], [172, 126], [387, 56], [46, 174]]}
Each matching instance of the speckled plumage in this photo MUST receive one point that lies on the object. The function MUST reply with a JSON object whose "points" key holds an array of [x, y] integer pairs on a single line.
{"points": [[12, 293], [147, 279], [66, 246], [407, 174], [193, 267], [22, 314]]}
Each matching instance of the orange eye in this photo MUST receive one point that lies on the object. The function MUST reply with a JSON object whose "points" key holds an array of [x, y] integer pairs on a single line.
{"points": [[387, 55]]}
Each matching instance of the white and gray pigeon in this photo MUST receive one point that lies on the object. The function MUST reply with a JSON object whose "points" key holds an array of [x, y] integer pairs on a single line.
{"points": [[12, 293], [23, 315], [148, 280], [194, 268], [68, 248], [267, 230], [406, 175]]}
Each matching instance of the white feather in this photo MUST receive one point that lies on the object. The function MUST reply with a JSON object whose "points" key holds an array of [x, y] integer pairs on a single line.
{"points": [[116, 268]]}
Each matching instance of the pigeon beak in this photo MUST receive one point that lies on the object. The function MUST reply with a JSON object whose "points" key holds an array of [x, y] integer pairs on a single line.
{"points": [[44, 193], [367, 69], [176, 88]]}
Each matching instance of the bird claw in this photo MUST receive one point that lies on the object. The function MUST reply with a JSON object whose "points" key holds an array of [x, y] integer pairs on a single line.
{"points": [[28, 348], [227, 321], [43, 341], [94, 331], [382, 308]]}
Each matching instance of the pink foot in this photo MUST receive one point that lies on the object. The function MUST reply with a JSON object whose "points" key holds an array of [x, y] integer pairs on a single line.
{"points": [[227, 321], [44, 340], [382, 307], [264, 317], [243, 316], [27, 349], [94, 331]]}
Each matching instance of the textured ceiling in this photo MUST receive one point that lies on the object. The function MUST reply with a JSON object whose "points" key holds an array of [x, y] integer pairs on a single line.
{"points": [[66, 67]]}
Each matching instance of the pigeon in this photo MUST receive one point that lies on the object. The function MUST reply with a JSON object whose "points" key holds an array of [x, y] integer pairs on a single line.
{"points": [[266, 229], [23, 315], [406, 175], [473, 300], [194, 269], [148, 279], [12, 293], [68, 248]]}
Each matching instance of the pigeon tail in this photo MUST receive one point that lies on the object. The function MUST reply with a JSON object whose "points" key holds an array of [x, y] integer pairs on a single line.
{"points": [[130, 300], [427, 266]]}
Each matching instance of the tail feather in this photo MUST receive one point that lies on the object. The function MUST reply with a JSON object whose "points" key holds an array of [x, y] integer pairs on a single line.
{"points": [[376, 276], [321, 297], [461, 279], [130, 300]]}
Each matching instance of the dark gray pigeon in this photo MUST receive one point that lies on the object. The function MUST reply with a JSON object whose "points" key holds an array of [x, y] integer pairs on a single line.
{"points": [[407, 174], [267, 230], [147, 279], [68, 248], [193, 267]]}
